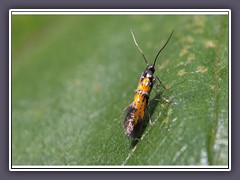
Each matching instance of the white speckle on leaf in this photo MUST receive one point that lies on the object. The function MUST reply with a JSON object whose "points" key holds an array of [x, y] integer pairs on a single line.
{"points": [[209, 44], [179, 152], [174, 119], [184, 51], [201, 69], [181, 72], [180, 63], [203, 160], [190, 57], [164, 64], [189, 39]]}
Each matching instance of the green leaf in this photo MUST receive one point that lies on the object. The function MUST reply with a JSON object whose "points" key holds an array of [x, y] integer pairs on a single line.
{"points": [[72, 77]]}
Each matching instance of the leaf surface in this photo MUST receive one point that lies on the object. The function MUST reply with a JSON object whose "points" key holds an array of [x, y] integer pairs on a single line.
{"points": [[73, 76]]}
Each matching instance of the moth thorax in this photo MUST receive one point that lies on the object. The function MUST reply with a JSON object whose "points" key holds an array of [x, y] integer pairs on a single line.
{"points": [[149, 75]]}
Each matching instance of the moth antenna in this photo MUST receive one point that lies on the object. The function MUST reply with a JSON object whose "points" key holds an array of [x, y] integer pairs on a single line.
{"points": [[162, 48], [139, 47]]}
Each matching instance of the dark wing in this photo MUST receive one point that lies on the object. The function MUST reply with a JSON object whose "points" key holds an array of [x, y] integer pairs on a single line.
{"points": [[131, 129]]}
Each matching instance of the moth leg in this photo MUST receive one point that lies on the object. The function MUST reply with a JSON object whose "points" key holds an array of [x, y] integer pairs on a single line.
{"points": [[149, 117], [158, 83]]}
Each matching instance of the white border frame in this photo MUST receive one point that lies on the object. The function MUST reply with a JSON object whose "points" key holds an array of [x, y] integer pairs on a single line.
{"points": [[118, 12]]}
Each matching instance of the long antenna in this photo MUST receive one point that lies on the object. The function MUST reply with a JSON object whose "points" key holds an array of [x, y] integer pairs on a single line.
{"points": [[138, 47], [162, 48]]}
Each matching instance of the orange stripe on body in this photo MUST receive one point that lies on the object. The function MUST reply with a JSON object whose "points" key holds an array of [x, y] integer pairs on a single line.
{"points": [[140, 100]]}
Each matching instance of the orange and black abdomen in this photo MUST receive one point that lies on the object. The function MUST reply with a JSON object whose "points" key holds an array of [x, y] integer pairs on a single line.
{"points": [[136, 110]]}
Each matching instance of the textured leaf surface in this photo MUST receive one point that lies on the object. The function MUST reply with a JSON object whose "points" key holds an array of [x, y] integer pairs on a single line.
{"points": [[72, 76]]}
